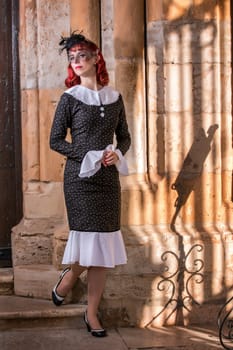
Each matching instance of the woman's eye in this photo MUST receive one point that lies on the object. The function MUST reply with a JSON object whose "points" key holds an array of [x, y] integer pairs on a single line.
{"points": [[71, 59], [82, 55]]}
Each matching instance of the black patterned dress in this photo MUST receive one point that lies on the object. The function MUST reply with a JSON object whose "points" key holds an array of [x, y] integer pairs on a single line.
{"points": [[93, 203]]}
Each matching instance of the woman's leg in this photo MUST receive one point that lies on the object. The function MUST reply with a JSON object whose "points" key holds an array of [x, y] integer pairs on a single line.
{"points": [[96, 281], [69, 279]]}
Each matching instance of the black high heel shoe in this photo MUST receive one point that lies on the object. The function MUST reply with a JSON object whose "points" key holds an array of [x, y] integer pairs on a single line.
{"points": [[95, 332], [57, 299]]}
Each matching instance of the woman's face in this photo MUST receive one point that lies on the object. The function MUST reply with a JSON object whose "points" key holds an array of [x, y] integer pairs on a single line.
{"points": [[82, 61]]}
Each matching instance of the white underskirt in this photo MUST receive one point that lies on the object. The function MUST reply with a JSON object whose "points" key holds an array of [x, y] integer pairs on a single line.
{"points": [[95, 249]]}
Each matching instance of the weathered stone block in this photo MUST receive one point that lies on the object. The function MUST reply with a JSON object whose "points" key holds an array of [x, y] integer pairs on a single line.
{"points": [[36, 281], [132, 90], [28, 45], [85, 16], [128, 39], [183, 42], [32, 242], [52, 68], [209, 9], [44, 200], [107, 38], [178, 10], [155, 10], [187, 10], [51, 163], [30, 135]]}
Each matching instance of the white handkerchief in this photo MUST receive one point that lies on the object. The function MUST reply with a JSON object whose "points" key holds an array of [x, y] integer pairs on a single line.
{"points": [[92, 162]]}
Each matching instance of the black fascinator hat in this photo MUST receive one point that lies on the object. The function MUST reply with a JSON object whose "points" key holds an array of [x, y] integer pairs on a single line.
{"points": [[74, 39]]}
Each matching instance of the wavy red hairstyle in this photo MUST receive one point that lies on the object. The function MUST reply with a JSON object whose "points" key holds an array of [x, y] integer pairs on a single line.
{"points": [[101, 71]]}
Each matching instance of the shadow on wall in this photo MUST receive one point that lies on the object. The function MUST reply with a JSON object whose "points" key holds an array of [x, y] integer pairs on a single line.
{"points": [[175, 273], [183, 267], [192, 167], [193, 259]]}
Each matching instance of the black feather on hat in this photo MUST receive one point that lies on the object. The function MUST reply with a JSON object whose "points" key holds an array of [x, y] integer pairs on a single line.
{"points": [[73, 39]]}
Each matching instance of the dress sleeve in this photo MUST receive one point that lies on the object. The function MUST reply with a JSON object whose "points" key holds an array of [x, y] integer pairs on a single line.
{"points": [[61, 123], [122, 133]]}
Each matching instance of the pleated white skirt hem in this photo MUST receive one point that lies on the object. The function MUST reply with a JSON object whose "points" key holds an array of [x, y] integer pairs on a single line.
{"points": [[104, 249]]}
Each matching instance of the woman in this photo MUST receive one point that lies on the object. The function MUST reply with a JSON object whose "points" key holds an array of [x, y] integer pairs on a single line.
{"points": [[95, 114]]}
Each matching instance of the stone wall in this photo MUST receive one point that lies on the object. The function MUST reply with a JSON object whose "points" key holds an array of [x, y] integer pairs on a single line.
{"points": [[172, 63]]}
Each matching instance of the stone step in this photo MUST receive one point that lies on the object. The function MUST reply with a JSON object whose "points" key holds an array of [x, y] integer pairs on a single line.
{"points": [[37, 281], [6, 281], [20, 312]]}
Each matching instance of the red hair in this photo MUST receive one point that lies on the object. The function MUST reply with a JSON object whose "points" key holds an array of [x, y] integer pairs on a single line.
{"points": [[101, 70]]}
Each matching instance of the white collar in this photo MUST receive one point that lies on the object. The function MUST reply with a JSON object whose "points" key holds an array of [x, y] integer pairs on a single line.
{"points": [[104, 96]]}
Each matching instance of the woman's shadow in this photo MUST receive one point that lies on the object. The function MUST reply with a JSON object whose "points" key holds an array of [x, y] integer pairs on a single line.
{"points": [[192, 167], [185, 183]]}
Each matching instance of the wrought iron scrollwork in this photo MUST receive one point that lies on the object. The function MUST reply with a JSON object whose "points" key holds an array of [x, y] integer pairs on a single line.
{"points": [[181, 295], [225, 323]]}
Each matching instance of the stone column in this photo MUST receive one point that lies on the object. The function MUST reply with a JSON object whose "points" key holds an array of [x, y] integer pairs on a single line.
{"points": [[128, 71], [130, 74], [107, 42], [130, 81], [29, 86], [85, 16], [42, 82]]}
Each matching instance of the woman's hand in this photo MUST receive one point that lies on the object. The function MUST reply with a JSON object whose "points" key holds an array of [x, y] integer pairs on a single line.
{"points": [[110, 158]]}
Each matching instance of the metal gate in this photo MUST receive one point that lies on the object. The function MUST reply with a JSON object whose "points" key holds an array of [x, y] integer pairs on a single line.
{"points": [[10, 128]]}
